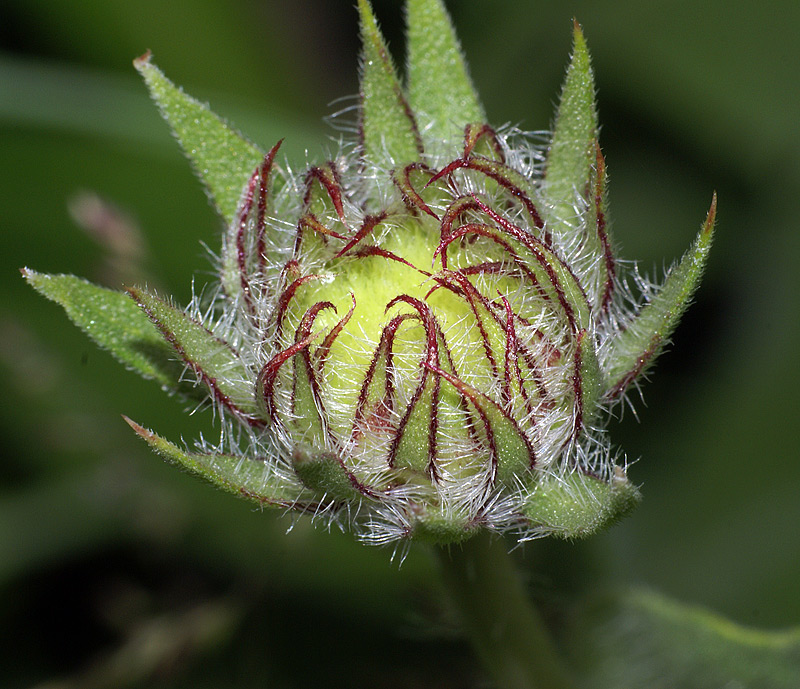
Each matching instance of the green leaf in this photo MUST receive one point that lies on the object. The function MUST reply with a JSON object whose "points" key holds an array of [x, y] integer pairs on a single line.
{"points": [[214, 362], [254, 479], [115, 323], [222, 157], [388, 130], [635, 349], [571, 154], [439, 86], [643, 640], [577, 505]]}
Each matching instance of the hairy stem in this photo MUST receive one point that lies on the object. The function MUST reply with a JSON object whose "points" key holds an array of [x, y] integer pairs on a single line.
{"points": [[506, 631]]}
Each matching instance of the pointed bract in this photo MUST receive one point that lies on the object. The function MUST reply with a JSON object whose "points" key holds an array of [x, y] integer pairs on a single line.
{"points": [[439, 86], [571, 154], [588, 379], [326, 476], [389, 134], [253, 478], [635, 349], [115, 323], [221, 156], [214, 362], [578, 505]]}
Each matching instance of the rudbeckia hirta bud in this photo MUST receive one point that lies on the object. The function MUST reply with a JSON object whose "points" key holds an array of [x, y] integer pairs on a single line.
{"points": [[421, 337]]}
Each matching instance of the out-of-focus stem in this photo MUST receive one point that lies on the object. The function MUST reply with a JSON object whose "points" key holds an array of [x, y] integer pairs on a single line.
{"points": [[506, 630]]}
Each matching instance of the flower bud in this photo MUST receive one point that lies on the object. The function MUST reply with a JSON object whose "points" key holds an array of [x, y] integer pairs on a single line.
{"points": [[422, 336]]}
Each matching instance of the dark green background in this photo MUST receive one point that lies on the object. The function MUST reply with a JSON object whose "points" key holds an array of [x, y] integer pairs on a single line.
{"points": [[101, 545]]}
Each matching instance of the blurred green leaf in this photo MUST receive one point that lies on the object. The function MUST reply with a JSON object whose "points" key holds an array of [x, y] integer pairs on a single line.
{"points": [[642, 640]]}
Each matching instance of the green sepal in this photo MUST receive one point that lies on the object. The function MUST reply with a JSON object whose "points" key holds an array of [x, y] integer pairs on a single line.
{"points": [[307, 421], [635, 349], [222, 157], [323, 193], [116, 324], [577, 505], [551, 271], [439, 529], [510, 449], [389, 134], [214, 362], [245, 243], [254, 479], [325, 475], [414, 442], [560, 283], [590, 376], [597, 235], [323, 210], [571, 154], [439, 86]]}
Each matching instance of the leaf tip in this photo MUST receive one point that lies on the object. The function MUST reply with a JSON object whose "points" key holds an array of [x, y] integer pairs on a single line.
{"points": [[578, 37], [711, 217], [366, 16], [151, 438], [33, 278], [140, 62], [141, 431]]}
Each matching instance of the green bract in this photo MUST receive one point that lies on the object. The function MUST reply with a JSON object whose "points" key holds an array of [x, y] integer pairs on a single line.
{"points": [[421, 337]]}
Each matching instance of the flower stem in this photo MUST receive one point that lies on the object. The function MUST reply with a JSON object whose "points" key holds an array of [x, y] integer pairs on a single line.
{"points": [[506, 630]]}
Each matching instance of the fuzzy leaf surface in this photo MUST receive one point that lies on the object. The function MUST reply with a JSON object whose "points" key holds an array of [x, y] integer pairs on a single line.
{"points": [[222, 157], [214, 362], [388, 130], [439, 85], [643, 640], [571, 151], [635, 349], [250, 478], [115, 323]]}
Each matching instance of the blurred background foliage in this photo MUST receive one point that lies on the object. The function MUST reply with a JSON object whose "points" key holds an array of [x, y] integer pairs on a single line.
{"points": [[116, 570]]}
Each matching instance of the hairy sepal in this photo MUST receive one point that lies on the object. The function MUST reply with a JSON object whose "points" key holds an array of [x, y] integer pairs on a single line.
{"points": [[216, 365], [439, 87], [116, 324], [635, 349], [588, 379], [222, 157], [578, 505], [249, 478], [389, 134], [570, 157], [326, 476], [243, 259]]}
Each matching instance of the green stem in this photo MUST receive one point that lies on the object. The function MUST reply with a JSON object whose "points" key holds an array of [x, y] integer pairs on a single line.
{"points": [[506, 631]]}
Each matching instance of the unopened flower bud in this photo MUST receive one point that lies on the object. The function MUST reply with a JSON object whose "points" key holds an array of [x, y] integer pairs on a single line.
{"points": [[422, 336]]}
